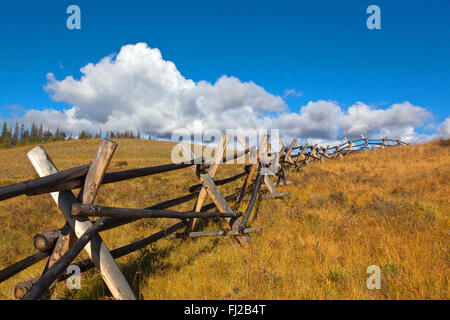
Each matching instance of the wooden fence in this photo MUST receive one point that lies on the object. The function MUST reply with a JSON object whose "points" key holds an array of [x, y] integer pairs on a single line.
{"points": [[61, 247]]}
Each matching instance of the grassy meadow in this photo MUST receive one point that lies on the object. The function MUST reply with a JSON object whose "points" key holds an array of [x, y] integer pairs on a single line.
{"points": [[387, 207]]}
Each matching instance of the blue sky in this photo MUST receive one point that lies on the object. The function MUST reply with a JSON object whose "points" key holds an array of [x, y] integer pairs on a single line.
{"points": [[321, 49]]}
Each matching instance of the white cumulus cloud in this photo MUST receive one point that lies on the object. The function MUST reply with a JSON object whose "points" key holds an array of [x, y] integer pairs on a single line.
{"points": [[443, 130], [138, 90]]}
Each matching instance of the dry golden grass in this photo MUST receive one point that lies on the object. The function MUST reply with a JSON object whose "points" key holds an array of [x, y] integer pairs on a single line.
{"points": [[384, 207]]}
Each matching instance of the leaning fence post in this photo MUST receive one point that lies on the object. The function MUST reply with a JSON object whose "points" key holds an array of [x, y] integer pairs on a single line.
{"points": [[215, 195], [288, 153], [212, 172], [63, 243], [253, 168], [350, 146], [301, 154], [96, 249]]}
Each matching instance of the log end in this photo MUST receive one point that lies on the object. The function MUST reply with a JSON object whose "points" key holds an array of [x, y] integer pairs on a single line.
{"points": [[45, 241], [41, 243], [22, 288], [76, 208]]}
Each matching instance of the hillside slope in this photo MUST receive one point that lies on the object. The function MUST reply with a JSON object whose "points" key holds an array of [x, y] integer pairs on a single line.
{"points": [[384, 207]]}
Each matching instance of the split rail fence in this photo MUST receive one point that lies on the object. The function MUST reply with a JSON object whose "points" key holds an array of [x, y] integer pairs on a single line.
{"points": [[61, 247]]}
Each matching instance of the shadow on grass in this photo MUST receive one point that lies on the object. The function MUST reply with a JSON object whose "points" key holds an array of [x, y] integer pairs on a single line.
{"points": [[150, 260]]}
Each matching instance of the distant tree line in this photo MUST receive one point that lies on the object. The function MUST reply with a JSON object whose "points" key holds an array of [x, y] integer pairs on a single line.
{"points": [[19, 135]]}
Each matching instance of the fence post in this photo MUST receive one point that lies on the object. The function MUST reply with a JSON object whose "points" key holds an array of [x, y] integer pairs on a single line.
{"points": [[215, 195], [253, 168], [288, 154], [212, 172]]}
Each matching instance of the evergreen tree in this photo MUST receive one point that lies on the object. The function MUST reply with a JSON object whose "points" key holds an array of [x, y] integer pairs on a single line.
{"points": [[33, 133], [48, 136], [16, 133], [57, 134], [40, 134], [84, 135], [22, 131], [6, 138], [4, 130], [26, 136]]}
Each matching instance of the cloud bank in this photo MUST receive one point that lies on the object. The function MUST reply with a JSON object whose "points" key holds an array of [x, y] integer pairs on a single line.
{"points": [[137, 89]]}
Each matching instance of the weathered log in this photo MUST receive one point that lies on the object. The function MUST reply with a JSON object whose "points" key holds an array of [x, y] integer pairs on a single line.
{"points": [[282, 180], [216, 233], [45, 241], [269, 184], [325, 153], [280, 154], [314, 156], [58, 268], [226, 159], [249, 209], [88, 210], [301, 155], [253, 168], [222, 205], [285, 183], [66, 238], [136, 173], [350, 145], [111, 223], [74, 178], [269, 195], [28, 186], [288, 153], [197, 187], [217, 198], [212, 172], [212, 205], [109, 269], [22, 288], [142, 172], [17, 267], [313, 150]]}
